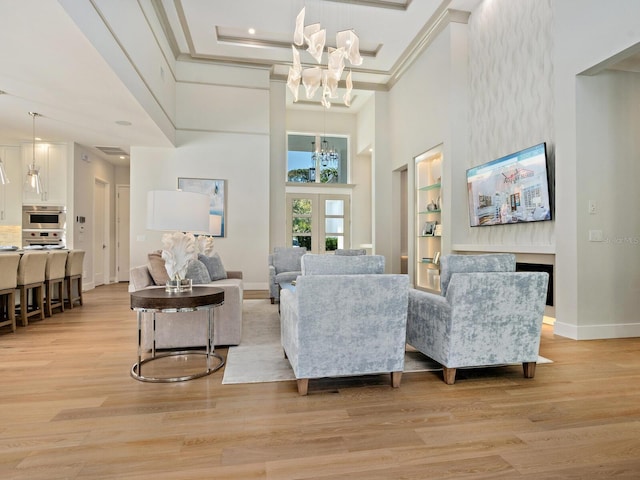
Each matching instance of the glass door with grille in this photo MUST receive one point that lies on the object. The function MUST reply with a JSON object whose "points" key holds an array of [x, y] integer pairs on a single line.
{"points": [[319, 222]]}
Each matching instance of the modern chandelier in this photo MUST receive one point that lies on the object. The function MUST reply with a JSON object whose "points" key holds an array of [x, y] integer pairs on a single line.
{"points": [[347, 48]]}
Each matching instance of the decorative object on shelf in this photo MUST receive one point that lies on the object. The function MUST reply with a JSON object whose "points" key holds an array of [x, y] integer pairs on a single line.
{"points": [[437, 230], [438, 203], [347, 48], [4, 179], [432, 206], [436, 258], [216, 191], [184, 213], [32, 182]]}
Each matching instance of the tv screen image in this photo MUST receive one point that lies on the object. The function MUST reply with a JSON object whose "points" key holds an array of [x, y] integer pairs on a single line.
{"points": [[511, 189]]}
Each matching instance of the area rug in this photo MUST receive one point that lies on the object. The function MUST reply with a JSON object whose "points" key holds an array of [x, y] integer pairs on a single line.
{"points": [[260, 358]]}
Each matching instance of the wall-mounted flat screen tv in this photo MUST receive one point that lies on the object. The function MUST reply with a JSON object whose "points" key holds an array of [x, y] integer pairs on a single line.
{"points": [[511, 189]]}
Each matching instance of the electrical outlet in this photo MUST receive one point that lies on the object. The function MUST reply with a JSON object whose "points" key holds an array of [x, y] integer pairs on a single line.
{"points": [[592, 207]]}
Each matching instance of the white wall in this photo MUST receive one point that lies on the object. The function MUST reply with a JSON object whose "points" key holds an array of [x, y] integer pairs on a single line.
{"points": [[85, 174], [600, 31], [608, 153]]}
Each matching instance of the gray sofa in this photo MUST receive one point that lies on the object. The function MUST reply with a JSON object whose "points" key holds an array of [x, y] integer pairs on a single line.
{"points": [[344, 317], [188, 329]]}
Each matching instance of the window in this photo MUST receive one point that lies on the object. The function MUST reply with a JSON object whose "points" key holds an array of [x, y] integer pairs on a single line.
{"points": [[317, 159]]}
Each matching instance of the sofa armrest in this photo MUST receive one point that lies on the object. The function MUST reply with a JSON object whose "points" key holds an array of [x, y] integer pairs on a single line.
{"points": [[234, 274]]}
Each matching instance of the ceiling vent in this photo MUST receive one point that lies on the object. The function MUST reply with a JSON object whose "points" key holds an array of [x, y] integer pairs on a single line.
{"points": [[116, 151]]}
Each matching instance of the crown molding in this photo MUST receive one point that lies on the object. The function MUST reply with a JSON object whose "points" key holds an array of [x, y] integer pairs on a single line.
{"points": [[425, 38]]}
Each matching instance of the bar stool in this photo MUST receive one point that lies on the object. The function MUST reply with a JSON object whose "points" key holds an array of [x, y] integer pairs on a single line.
{"points": [[8, 283], [31, 281], [73, 276], [54, 281]]}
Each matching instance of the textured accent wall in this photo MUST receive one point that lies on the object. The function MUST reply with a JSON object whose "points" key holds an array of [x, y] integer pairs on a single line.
{"points": [[512, 101]]}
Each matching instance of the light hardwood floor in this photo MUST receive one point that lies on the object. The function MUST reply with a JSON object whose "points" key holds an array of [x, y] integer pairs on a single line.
{"points": [[69, 409]]}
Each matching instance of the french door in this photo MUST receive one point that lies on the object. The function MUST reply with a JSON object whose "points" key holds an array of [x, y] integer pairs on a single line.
{"points": [[320, 222]]}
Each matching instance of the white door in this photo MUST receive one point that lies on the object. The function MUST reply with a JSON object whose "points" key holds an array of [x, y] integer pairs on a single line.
{"points": [[100, 234], [122, 233], [321, 223]]}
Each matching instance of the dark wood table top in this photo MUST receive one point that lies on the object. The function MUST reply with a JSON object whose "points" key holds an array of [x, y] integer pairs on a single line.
{"points": [[159, 299]]}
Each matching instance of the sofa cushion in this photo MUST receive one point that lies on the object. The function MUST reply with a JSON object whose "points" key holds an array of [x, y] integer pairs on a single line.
{"points": [[155, 264], [214, 266], [197, 272]]}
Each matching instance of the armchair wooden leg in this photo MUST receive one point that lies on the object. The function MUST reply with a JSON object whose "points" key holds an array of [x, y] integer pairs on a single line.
{"points": [[273, 300], [449, 375], [529, 369], [395, 379], [303, 386]]}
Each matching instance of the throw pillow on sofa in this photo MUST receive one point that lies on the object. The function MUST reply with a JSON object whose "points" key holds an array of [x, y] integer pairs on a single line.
{"points": [[197, 272], [214, 266], [155, 264]]}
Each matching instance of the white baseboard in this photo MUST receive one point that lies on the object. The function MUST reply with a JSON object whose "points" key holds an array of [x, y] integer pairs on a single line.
{"points": [[596, 332]]}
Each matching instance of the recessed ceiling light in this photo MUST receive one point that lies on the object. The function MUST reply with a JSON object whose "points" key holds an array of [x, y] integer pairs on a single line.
{"points": [[252, 31], [123, 123], [122, 157]]}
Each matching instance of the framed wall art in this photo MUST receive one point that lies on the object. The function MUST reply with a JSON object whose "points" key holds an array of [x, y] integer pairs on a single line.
{"points": [[217, 190]]}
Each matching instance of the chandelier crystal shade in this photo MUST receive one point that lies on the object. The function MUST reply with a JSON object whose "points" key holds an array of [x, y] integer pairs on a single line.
{"points": [[328, 79], [325, 155]]}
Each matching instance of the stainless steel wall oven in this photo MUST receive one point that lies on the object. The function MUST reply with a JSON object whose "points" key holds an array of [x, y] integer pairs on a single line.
{"points": [[43, 225]]}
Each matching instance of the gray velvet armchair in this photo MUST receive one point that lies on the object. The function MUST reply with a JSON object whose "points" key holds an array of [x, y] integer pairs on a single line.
{"points": [[344, 317], [284, 266], [488, 314]]}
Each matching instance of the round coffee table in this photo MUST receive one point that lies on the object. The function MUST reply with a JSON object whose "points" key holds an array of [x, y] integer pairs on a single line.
{"points": [[158, 300]]}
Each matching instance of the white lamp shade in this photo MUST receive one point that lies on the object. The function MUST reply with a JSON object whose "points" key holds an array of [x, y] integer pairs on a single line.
{"points": [[170, 210]]}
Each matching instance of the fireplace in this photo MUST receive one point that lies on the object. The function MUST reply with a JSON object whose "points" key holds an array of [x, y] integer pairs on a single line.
{"points": [[539, 267]]}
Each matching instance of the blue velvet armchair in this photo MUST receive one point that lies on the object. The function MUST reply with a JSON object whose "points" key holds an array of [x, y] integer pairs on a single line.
{"points": [[284, 267], [344, 317], [488, 314]]}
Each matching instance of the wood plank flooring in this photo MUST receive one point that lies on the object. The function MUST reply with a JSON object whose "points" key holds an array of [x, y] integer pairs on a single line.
{"points": [[70, 410]]}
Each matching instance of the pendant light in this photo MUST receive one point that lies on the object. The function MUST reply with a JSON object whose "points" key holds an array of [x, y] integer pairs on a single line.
{"points": [[32, 182], [3, 174]]}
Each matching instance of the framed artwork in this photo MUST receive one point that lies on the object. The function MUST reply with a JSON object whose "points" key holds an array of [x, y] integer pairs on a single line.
{"points": [[217, 190], [427, 229]]}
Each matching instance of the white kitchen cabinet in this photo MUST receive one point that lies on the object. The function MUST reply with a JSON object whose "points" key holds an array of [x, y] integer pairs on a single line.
{"points": [[52, 160], [11, 194]]}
